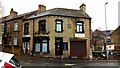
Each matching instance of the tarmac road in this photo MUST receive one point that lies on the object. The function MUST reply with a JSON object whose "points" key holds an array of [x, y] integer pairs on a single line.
{"points": [[96, 64], [37, 62], [72, 66]]}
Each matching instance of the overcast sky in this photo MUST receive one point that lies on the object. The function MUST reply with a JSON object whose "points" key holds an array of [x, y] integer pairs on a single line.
{"points": [[95, 8]]}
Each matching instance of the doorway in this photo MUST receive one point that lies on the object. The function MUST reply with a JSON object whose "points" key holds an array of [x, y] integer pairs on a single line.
{"points": [[58, 46], [26, 47]]}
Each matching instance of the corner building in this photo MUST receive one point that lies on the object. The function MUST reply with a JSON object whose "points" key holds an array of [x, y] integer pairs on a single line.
{"points": [[57, 32]]}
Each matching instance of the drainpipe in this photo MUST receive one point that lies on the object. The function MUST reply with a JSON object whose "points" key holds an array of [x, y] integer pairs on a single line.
{"points": [[33, 38]]}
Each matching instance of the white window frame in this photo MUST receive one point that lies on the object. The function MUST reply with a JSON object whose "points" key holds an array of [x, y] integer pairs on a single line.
{"points": [[79, 27], [2, 27], [59, 26], [16, 26], [44, 46], [37, 47], [15, 40]]}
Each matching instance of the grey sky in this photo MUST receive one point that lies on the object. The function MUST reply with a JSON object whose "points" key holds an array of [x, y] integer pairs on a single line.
{"points": [[95, 8]]}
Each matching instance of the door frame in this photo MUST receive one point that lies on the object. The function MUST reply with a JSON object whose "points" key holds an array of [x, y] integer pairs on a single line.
{"points": [[26, 47], [58, 46]]}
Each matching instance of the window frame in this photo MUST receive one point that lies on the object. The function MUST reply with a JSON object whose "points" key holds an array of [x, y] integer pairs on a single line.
{"points": [[16, 26], [79, 25], [58, 24], [65, 43], [26, 28], [37, 47], [15, 41], [2, 27], [44, 42], [42, 25], [41, 41], [8, 27]]}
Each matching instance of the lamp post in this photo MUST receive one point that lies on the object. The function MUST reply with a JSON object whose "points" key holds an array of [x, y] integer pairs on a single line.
{"points": [[106, 30]]}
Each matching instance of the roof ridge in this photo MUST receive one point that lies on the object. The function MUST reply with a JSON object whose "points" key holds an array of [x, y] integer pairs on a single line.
{"points": [[67, 9]]}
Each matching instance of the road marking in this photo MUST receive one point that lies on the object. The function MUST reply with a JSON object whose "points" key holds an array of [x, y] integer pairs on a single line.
{"points": [[69, 64]]}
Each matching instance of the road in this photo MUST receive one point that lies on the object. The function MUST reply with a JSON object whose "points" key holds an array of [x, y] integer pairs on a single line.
{"points": [[37, 62], [87, 64]]}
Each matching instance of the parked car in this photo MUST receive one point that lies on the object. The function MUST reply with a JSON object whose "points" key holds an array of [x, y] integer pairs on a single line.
{"points": [[7, 60], [99, 55]]}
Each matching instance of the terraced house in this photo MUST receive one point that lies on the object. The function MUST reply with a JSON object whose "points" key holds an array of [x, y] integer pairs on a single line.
{"points": [[57, 32], [11, 31]]}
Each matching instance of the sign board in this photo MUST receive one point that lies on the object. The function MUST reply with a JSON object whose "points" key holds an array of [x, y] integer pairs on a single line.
{"points": [[79, 35], [110, 47]]}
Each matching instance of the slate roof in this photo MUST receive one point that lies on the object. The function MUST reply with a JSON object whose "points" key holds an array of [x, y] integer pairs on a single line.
{"points": [[7, 18], [61, 12], [95, 33], [108, 32], [52, 12]]}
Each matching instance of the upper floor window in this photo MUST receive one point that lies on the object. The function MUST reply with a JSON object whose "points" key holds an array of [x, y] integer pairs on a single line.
{"points": [[26, 28], [8, 27], [59, 26], [15, 41], [3, 27], [42, 25], [15, 26], [79, 27]]}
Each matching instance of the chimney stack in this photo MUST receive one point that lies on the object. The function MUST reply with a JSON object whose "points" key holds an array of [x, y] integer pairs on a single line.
{"points": [[83, 8], [41, 8], [13, 13]]}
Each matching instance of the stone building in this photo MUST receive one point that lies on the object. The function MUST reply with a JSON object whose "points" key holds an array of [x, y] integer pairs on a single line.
{"points": [[11, 32], [99, 37], [98, 40], [57, 32], [115, 39], [115, 36]]}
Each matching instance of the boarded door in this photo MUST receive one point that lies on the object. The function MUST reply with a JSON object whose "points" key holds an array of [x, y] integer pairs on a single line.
{"points": [[78, 48]]}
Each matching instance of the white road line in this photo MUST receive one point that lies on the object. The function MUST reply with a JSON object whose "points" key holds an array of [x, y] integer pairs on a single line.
{"points": [[69, 64]]}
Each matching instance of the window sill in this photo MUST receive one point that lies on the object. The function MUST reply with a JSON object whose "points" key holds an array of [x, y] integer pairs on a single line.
{"points": [[5, 45], [80, 32], [65, 50], [26, 34], [15, 45], [59, 31], [15, 30], [41, 52], [43, 32]]}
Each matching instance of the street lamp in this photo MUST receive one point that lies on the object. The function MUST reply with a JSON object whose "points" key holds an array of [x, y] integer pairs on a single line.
{"points": [[106, 30], [105, 16]]}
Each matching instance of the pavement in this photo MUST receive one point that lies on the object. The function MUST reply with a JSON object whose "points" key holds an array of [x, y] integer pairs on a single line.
{"points": [[37, 59]]}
